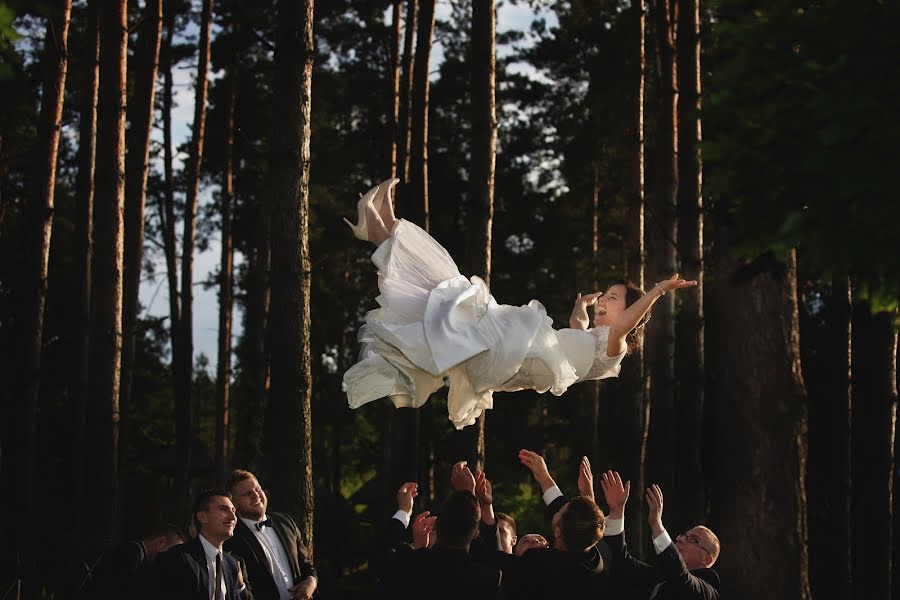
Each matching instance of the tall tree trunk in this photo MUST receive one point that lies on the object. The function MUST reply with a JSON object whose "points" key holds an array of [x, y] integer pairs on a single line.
{"points": [[416, 203], [397, 6], [825, 338], [690, 501], [594, 390], [404, 112], [40, 209], [84, 210], [291, 388], [759, 422], [106, 309], [140, 113], [226, 265], [484, 158], [874, 390], [661, 329], [183, 426]]}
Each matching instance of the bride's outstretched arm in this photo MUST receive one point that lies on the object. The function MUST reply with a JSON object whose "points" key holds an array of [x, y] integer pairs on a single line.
{"points": [[579, 318], [629, 319]]}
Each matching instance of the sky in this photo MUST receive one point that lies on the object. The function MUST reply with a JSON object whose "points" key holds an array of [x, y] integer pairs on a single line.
{"points": [[154, 293]]}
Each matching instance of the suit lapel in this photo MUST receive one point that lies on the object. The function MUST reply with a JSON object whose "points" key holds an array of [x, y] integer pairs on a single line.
{"points": [[250, 539], [290, 549], [202, 571]]}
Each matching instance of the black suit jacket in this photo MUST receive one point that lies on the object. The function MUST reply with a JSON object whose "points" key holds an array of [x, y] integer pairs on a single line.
{"points": [[677, 581], [180, 573], [120, 572], [437, 573], [260, 578]]}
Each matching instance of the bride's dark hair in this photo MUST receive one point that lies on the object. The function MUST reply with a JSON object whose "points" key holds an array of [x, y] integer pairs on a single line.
{"points": [[635, 337]]}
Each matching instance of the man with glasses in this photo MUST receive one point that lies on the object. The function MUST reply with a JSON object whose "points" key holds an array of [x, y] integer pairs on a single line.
{"points": [[683, 568]]}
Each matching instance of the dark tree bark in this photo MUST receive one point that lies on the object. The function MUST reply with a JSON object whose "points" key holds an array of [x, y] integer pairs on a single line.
{"points": [[404, 114], [140, 118], [106, 309], [759, 422], [291, 388], [23, 449], [226, 266], [874, 391], [660, 345], [690, 501], [397, 6], [825, 340], [84, 211], [416, 202], [185, 373]]}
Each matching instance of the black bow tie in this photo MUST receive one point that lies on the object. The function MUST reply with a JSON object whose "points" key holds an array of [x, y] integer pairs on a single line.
{"points": [[261, 524]]}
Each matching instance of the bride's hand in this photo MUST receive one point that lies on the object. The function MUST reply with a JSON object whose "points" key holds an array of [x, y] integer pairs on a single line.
{"points": [[674, 283], [586, 299]]}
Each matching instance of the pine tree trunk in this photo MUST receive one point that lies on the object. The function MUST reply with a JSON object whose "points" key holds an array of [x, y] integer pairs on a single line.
{"points": [[106, 309], [660, 345], [291, 387], [415, 206], [874, 391], [226, 267], [825, 338], [759, 422], [54, 63], [404, 112], [140, 113], [397, 6], [594, 390], [84, 210], [690, 501], [183, 427]]}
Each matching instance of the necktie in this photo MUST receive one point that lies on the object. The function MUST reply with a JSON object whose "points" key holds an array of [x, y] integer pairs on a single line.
{"points": [[261, 524], [217, 594], [656, 590]]}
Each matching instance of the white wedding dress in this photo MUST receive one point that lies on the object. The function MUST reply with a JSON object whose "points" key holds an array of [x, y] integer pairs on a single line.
{"points": [[434, 323]]}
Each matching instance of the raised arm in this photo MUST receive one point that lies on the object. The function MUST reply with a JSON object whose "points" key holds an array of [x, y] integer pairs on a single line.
{"points": [[579, 318], [632, 315]]}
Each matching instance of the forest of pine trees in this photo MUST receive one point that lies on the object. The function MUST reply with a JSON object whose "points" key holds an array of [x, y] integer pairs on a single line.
{"points": [[551, 147]]}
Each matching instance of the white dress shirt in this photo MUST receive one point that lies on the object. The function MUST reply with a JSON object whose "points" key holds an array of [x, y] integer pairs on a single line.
{"points": [[276, 553], [211, 553]]}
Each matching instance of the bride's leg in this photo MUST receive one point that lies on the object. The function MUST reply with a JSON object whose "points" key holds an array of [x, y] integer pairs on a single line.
{"points": [[377, 232], [386, 210]]}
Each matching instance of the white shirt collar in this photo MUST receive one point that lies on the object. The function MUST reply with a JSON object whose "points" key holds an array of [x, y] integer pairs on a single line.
{"points": [[210, 550], [251, 523]]}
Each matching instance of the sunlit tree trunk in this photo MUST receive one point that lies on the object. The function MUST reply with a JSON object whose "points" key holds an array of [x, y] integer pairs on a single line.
{"points": [[690, 502], [396, 29], [416, 203], [140, 119], [106, 309], [874, 390], [291, 388], [226, 265], [186, 322], [84, 210], [404, 114]]}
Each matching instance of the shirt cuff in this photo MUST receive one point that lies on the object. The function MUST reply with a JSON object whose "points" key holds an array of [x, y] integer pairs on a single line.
{"points": [[552, 494], [403, 517], [662, 541], [614, 526]]}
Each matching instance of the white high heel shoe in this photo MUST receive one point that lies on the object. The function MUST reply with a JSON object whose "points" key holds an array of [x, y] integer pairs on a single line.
{"points": [[359, 230]]}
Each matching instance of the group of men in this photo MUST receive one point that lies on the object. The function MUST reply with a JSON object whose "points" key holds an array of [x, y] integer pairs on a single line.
{"points": [[468, 550], [239, 552]]}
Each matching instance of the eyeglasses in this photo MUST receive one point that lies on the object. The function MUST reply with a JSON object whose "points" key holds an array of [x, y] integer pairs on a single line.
{"points": [[693, 539]]}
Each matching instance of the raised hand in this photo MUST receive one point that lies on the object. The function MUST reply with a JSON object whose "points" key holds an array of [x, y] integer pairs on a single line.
{"points": [[674, 283], [529, 541], [579, 318], [654, 498], [461, 477], [483, 489], [423, 529], [615, 492], [585, 478], [405, 495], [537, 466]]}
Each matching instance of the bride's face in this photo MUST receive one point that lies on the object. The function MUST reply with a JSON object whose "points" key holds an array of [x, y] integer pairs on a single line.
{"points": [[610, 305]]}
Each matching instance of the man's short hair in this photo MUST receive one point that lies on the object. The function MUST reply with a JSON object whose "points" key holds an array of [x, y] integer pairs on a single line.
{"points": [[581, 524], [716, 546], [201, 502], [508, 518], [169, 531], [458, 519], [237, 476]]}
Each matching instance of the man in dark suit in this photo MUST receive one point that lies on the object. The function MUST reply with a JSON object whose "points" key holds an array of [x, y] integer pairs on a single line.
{"points": [[200, 569], [121, 570], [683, 568], [270, 544], [572, 568], [444, 571]]}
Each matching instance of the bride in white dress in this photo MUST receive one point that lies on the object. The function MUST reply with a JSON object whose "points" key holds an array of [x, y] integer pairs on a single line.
{"points": [[432, 323]]}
